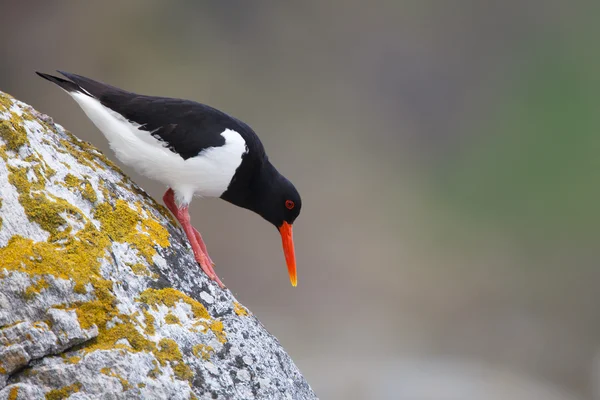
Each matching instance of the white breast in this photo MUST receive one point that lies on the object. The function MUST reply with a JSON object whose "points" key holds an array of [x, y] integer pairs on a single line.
{"points": [[208, 174]]}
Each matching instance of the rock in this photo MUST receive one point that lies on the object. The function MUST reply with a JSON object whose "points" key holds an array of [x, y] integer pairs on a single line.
{"points": [[100, 295]]}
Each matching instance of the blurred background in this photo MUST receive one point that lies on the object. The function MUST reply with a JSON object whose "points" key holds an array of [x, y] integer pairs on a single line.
{"points": [[447, 154]]}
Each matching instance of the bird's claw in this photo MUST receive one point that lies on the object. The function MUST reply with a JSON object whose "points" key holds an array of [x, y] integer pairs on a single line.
{"points": [[208, 269]]}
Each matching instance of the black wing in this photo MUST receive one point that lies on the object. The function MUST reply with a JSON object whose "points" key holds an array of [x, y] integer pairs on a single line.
{"points": [[186, 127]]}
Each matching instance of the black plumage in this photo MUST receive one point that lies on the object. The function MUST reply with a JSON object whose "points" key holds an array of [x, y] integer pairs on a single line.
{"points": [[186, 127], [237, 171]]}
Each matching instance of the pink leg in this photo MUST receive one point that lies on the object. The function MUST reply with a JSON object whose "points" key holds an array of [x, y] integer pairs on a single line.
{"points": [[193, 236], [202, 245], [169, 199]]}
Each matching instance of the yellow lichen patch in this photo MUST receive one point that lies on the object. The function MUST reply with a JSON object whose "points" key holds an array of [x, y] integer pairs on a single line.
{"points": [[88, 192], [91, 153], [121, 222], [108, 372], [154, 372], [42, 208], [81, 156], [240, 309], [73, 360], [169, 352], [149, 321], [36, 288], [139, 269], [81, 186], [64, 392], [171, 318], [169, 297], [14, 393], [12, 131], [202, 350], [217, 328], [79, 288], [6, 101]]}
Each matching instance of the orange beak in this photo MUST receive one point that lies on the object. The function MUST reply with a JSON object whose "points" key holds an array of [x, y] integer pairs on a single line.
{"points": [[288, 250]]}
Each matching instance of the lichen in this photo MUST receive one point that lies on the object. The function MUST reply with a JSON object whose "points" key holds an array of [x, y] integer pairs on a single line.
{"points": [[154, 372], [43, 208], [240, 309], [140, 269], [80, 288], [169, 352], [64, 392], [171, 318], [81, 186], [124, 383], [88, 192], [14, 393], [35, 289], [202, 350], [12, 131], [76, 255], [170, 297], [73, 360], [120, 223]]}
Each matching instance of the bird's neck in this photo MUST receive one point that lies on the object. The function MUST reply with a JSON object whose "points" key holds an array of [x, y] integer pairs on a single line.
{"points": [[252, 190]]}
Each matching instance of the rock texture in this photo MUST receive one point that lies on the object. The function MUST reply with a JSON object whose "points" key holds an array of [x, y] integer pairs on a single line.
{"points": [[100, 296]]}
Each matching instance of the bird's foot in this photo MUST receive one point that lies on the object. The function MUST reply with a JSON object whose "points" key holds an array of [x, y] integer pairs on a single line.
{"points": [[203, 246], [206, 265], [194, 237]]}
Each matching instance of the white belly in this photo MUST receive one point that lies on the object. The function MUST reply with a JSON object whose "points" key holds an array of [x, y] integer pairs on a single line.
{"points": [[208, 174]]}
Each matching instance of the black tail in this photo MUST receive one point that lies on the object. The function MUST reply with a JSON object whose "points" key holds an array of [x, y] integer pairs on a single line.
{"points": [[63, 83]]}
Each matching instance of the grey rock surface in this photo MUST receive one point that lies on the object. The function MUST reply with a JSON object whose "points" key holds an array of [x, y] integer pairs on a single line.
{"points": [[100, 295]]}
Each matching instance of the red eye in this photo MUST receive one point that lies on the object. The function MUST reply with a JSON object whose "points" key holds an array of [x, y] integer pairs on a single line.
{"points": [[289, 204]]}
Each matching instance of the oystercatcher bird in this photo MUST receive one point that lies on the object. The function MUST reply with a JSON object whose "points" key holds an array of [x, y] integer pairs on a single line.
{"points": [[194, 149]]}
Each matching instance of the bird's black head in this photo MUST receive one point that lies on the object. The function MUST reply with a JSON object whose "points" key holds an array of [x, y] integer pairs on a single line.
{"points": [[279, 203], [269, 194], [277, 200]]}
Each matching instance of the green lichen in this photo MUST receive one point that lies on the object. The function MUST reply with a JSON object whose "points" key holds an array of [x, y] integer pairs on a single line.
{"points": [[64, 392]]}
